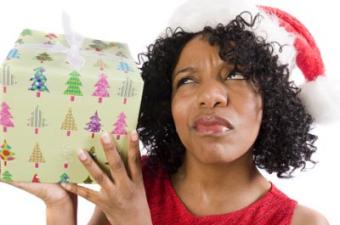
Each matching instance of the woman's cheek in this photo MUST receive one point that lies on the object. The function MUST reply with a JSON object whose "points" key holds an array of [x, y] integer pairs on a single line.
{"points": [[182, 107]]}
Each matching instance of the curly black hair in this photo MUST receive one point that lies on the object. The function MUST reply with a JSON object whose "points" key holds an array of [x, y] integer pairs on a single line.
{"points": [[284, 142]]}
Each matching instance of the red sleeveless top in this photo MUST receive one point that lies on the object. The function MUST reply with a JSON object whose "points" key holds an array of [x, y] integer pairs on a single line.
{"points": [[273, 208]]}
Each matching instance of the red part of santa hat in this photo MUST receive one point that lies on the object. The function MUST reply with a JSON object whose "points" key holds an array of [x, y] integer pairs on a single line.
{"points": [[320, 95], [308, 57]]}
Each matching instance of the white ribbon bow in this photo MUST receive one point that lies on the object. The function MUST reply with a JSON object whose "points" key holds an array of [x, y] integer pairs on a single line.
{"points": [[75, 41], [74, 53]]}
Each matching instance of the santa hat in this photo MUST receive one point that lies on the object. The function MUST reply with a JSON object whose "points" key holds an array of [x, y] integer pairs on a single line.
{"points": [[320, 95]]}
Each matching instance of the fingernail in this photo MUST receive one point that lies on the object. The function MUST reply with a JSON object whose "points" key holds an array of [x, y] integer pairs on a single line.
{"points": [[82, 155], [134, 135], [106, 138]]}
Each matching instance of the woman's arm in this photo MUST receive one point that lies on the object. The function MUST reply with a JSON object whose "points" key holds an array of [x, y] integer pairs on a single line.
{"points": [[98, 218], [63, 212], [61, 206], [304, 215], [122, 197]]}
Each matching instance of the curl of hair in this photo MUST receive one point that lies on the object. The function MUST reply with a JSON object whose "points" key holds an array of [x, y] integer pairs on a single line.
{"points": [[284, 142]]}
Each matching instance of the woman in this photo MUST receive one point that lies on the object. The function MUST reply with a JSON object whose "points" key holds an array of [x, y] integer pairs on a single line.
{"points": [[217, 104]]}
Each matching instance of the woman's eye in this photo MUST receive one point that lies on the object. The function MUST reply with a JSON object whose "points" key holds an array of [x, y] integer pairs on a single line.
{"points": [[185, 80], [235, 76]]}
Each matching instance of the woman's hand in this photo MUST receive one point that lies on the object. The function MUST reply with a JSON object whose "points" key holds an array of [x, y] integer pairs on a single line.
{"points": [[98, 218], [61, 205], [51, 194], [122, 199]]}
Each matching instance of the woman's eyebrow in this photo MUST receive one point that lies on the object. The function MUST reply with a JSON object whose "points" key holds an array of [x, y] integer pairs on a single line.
{"points": [[186, 69]]}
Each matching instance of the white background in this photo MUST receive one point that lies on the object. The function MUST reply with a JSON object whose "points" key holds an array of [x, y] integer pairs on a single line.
{"points": [[138, 23]]}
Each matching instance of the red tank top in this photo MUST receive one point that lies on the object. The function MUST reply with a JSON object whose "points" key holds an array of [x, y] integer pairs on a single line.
{"points": [[273, 208]]}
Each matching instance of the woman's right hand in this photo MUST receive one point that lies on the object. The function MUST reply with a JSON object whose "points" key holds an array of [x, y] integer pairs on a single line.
{"points": [[51, 194], [98, 218], [61, 205]]}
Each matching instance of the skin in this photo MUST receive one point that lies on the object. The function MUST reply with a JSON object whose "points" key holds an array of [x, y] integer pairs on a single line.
{"points": [[121, 200], [218, 175], [61, 206]]}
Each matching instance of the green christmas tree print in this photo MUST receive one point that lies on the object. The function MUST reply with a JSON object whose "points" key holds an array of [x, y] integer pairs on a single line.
{"points": [[64, 178], [7, 176], [73, 85], [88, 180], [26, 32]]}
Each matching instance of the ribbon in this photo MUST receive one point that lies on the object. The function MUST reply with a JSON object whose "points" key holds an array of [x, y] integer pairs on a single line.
{"points": [[74, 40], [74, 53]]}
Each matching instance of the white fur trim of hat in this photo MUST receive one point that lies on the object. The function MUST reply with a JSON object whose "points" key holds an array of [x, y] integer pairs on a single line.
{"points": [[320, 94]]}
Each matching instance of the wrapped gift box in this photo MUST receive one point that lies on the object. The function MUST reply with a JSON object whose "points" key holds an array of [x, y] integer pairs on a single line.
{"points": [[50, 108]]}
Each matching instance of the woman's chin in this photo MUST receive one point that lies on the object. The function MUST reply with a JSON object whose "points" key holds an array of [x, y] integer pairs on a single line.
{"points": [[217, 155]]}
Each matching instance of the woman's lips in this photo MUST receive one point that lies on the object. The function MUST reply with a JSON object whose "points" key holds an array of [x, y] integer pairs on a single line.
{"points": [[211, 129], [212, 125]]}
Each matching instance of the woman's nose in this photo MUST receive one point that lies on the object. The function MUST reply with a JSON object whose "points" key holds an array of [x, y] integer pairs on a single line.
{"points": [[212, 94]]}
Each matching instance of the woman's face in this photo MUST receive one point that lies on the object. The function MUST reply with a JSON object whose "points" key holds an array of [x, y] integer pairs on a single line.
{"points": [[217, 113]]}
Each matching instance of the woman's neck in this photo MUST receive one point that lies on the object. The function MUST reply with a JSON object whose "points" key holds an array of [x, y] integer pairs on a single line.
{"points": [[237, 173], [222, 187]]}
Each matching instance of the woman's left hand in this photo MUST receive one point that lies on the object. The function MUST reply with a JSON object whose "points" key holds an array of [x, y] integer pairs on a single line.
{"points": [[122, 198]]}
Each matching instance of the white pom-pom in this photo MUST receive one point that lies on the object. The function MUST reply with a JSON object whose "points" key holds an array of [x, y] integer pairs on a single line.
{"points": [[322, 99]]}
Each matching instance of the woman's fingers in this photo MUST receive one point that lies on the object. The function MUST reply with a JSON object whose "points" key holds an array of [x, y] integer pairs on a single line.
{"points": [[51, 194], [34, 188], [84, 192], [116, 164], [134, 158], [98, 175]]}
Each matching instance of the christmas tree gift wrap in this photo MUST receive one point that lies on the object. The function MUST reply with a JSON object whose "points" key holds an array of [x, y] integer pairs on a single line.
{"points": [[56, 98]]}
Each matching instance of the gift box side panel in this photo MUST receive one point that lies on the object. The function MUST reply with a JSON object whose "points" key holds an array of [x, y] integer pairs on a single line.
{"points": [[44, 144]]}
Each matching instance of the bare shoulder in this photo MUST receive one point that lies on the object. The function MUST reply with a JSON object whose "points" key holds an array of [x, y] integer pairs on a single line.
{"points": [[304, 215]]}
